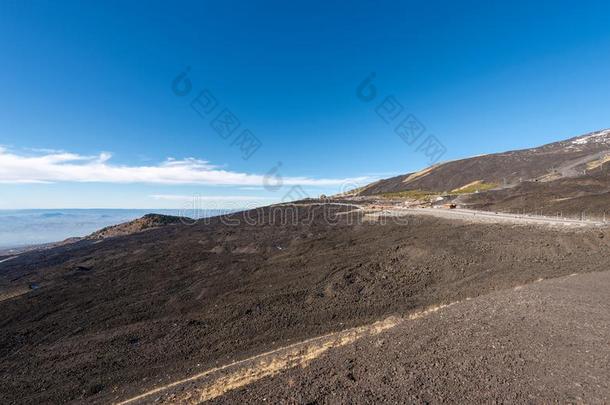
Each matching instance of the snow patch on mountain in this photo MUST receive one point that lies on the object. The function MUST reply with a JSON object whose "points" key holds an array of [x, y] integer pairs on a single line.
{"points": [[596, 137]]}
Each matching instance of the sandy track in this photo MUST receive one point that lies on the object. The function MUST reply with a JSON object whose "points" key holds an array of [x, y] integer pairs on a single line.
{"points": [[7, 259], [544, 342], [541, 304], [216, 382]]}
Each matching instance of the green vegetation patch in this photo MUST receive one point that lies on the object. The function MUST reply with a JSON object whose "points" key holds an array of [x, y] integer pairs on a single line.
{"points": [[419, 195], [474, 188]]}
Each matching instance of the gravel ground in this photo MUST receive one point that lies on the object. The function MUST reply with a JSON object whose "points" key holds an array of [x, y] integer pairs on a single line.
{"points": [[546, 342], [110, 320]]}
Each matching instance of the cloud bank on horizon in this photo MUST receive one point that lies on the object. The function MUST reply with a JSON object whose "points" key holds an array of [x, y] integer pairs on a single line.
{"points": [[59, 166]]}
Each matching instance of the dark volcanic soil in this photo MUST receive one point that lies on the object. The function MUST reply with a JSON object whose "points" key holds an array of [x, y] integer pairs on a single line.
{"points": [[113, 319], [510, 167], [147, 222], [546, 342], [585, 196]]}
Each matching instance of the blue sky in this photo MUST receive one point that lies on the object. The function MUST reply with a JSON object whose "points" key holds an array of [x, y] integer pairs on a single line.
{"points": [[89, 118]]}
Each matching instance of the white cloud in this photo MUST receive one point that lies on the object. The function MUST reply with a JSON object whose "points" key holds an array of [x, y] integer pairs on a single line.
{"points": [[70, 167], [189, 198]]}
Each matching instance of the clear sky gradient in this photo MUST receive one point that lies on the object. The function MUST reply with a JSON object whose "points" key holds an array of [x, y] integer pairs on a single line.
{"points": [[89, 118]]}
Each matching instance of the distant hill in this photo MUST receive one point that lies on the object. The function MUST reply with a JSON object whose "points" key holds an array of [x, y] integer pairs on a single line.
{"points": [[570, 158], [563, 178], [148, 221]]}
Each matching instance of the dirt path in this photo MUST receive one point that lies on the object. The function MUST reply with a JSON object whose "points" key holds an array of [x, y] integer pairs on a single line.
{"points": [[544, 342], [7, 259], [218, 381], [568, 328], [568, 169]]}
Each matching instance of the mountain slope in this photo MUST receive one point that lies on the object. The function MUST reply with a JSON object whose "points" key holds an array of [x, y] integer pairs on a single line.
{"points": [[569, 158], [584, 196], [148, 221], [541, 343], [114, 319]]}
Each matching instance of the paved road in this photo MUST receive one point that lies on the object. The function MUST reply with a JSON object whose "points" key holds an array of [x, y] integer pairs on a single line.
{"points": [[307, 204], [485, 216], [464, 214]]}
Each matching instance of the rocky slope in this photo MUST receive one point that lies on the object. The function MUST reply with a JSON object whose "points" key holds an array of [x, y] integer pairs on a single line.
{"points": [[584, 196], [564, 159], [148, 221], [541, 343], [114, 319]]}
